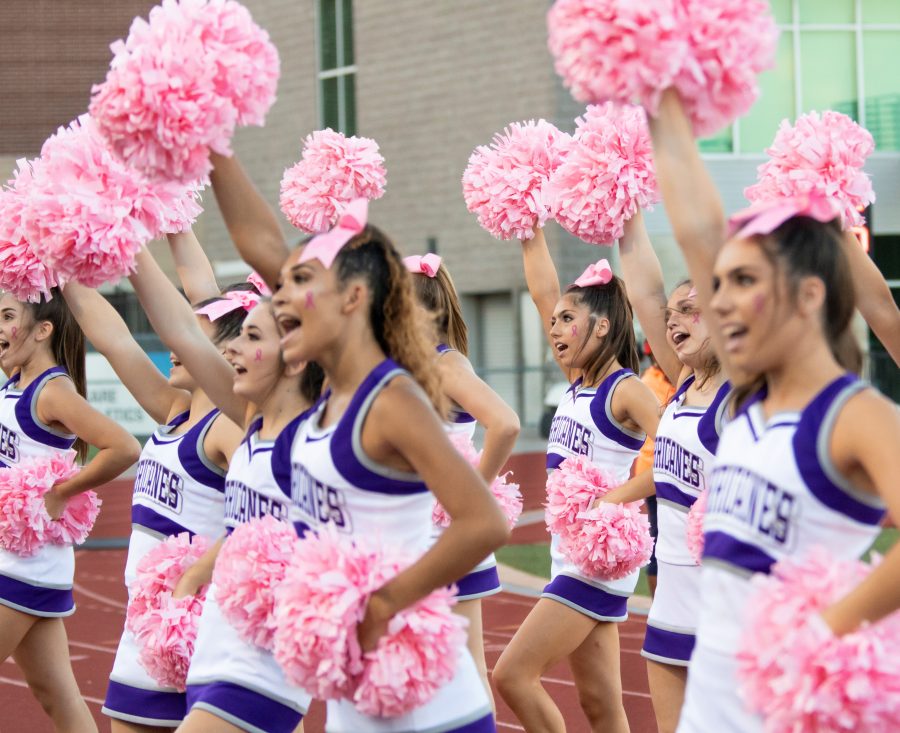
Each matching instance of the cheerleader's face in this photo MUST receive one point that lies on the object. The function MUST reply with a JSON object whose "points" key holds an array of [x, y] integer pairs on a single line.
{"points": [[19, 334], [686, 331], [575, 335], [256, 355]]}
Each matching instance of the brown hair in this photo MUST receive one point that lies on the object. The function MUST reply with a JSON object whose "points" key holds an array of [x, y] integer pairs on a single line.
{"points": [[397, 322], [66, 344], [438, 295], [609, 301], [228, 326]]}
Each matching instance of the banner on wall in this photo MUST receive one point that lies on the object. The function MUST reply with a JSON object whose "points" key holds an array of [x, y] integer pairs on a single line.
{"points": [[108, 395]]}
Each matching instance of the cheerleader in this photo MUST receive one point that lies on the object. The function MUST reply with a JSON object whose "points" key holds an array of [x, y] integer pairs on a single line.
{"points": [[817, 446], [606, 414], [375, 447], [43, 410], [179, 484], [471, 402]]}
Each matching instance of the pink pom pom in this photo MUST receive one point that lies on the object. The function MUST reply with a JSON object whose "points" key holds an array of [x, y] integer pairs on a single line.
{"points": [[617, 50], [21, 272], [505, 184], [801, 677], [166, 628], [332, 171], [819, 154], [506, 492], [250, 565], [318, 607], [609, 541], [606, 175], [25, 526], [694, 529], [179, 84]]}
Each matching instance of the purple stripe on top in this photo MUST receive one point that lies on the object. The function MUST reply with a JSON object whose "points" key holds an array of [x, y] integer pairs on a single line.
{"points": [[708, 427], [603, 418], [732, 551], [35, 599], [457, 414], [237, 705], [26, 410], [668, 646], [281, 451], [192, 455], [587, 599], [144, 516], [669, 492], [150, 706], [478, 584]]}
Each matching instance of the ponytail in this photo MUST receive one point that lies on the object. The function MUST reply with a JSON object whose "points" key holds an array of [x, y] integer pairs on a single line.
{"points": [[439, 297]]}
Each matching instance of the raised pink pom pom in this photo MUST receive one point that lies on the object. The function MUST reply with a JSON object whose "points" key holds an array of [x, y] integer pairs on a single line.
{"points": [[606, 175], [25, 526], [250, 565], [616, 49], [694, 530], [505, 184], [321, 602], [332, 171], [818, 154], [800, 676], [506, 492], [179, 84], [166, 628]]}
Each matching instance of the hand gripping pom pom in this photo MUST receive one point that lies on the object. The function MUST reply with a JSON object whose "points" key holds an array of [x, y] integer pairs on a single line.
{"points": [[181, 82], [91, 213], [694, 530], [250, 565], [800, 676], [165, 628], [608, 542], [506, 184], [504, 491], [606, 176], [332, 171], [25, 526], [819, 154], [318, 607]]}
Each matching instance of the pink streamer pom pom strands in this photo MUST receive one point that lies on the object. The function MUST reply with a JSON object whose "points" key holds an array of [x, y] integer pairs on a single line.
{"points": [[608, 542], [694, 528], [333, 171], [626, 51], [505, 183], [318, 607], [819, 154], [166, 628], [800, 676], [181, 82]]}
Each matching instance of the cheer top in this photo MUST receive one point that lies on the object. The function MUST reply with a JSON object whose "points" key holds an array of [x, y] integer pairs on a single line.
{"points": [[686, 442], [458, 420], [774, 493]]}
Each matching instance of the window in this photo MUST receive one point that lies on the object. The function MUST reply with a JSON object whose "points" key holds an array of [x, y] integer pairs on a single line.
{"points": [[337, 70]]}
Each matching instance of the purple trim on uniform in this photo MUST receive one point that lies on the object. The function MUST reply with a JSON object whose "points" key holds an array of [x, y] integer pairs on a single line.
{"points": [[603, 421], [806, 453], [457, 414], [482, 725], [664, 645], [554, 460], [23, 410], [244, 705], [144, 516], [281, 451], [708, 427], [190, 449], [586, 598], [683, 387], [669, 492], [137, 702], [728, 549], [342, 449], [35, 598], [480, 583], [179, 419]]}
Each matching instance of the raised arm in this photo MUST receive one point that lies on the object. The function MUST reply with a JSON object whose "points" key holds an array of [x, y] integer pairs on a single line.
{"points": [[251, 222], [174, 321], [541, 277], [109, 334], [646, 292], [193, 267]]}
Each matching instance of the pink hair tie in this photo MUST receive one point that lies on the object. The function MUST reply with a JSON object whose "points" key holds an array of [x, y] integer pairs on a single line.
{"points": [[325, 247], [256, 280], [427, 265], [765, 217], [600, 273], [230, 301]]}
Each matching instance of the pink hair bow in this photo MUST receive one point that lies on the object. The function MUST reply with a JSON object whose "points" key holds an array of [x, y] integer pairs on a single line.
{"points": [[325, 247], [256, 280], [764, 217], [232, 300], [427, 265], [600, 273]]}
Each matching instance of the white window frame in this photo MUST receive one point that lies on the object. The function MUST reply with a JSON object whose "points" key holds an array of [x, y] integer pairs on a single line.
{"points": [[340, 72]]}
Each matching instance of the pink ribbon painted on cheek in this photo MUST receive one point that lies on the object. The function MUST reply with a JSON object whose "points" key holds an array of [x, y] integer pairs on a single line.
{"points": [[427, 265], [325, 247], [765, 217], [600, 273], [230, 301]]}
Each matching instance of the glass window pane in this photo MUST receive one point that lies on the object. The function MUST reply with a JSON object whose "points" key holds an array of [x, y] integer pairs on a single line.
{"points": [[329, 103], [882, 88], [829, 11], [828, 61], [721, 142], [347, 26], [327, 35], [776, 100], [880, 11], [782, 10], [350, 104]]}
